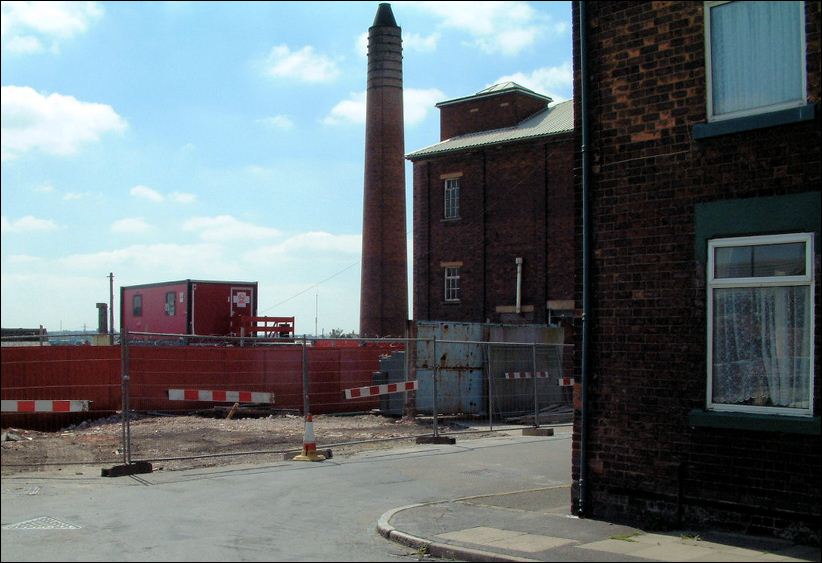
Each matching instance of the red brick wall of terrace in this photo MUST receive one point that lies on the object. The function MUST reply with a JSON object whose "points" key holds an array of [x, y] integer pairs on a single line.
{"points": [[515, 200], [648, 339], [93, 373]]}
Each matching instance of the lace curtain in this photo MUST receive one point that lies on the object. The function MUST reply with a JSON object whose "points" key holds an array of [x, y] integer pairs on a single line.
{"points": [[761, 347]]}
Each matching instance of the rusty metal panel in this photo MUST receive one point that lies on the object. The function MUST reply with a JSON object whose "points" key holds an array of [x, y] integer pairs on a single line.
{"points": [[460, 383]]}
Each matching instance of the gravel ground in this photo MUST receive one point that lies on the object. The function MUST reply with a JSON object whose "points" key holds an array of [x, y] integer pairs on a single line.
{"points": [[158, 438]]}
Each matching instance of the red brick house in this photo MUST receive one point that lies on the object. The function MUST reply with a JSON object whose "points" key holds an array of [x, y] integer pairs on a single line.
{"points": [[698, 264], [493, 210]]}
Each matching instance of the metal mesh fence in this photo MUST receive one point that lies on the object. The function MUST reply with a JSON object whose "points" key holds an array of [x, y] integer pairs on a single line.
{"points": [[173, 397]]}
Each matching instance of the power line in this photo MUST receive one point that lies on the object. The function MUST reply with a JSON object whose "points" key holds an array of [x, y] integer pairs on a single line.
{"points": [[310, 287]]}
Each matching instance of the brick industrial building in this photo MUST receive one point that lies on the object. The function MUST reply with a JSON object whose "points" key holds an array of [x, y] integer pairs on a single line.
{"points": [[493, 210], [700, 403]]}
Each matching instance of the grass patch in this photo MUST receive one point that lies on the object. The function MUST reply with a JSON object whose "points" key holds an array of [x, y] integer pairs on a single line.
{"points": [[626, 537]]}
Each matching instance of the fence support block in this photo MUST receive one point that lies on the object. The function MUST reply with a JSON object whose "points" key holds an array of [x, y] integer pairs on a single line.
{"points": [[436, 440], [128, 469], [537, 431]]}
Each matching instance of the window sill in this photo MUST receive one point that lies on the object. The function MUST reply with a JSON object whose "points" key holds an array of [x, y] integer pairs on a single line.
{"points": [[450, 219], [699, 418], [752, 122], [455, 302]]}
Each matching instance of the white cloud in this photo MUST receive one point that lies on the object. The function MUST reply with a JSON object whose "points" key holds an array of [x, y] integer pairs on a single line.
{"points": [[494, 27], [130, 226], [420, 43], [416, 105], [23, 259], [44, 188], [282, 122], [226, 227], [23, 45], [362, 44], [304, 65], [26, 224], [150, 194], [314, 243], [144, 192], [182, 197], [25, 25], [351, 110], [75, 196], [553, 81], [54, 123], [145, 261]]}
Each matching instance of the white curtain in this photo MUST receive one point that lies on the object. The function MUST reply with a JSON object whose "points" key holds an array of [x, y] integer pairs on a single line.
{"points": [[755, 55], [761, 346]]}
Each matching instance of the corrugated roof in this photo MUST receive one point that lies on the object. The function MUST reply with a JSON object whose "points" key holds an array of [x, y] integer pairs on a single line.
{"points": [[550, 121]]}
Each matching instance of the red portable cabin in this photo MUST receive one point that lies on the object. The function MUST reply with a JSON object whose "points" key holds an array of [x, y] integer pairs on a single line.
{"points": [[186, 306]]}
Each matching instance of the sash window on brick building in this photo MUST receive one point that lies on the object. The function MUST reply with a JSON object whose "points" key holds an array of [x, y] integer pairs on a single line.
{"points": [[452, 199], [755, 57], [760, 322], [452, 284]]}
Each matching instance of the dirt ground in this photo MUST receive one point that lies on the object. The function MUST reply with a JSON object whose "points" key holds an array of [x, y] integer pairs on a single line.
{"points": [[160, 439]]}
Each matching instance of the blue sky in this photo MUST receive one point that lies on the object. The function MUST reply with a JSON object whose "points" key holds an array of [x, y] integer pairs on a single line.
{"points": [[223, 141]]}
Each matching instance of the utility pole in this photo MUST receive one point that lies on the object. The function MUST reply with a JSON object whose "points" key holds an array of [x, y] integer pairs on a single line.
{"points": [[316, 311], [111, 308]]}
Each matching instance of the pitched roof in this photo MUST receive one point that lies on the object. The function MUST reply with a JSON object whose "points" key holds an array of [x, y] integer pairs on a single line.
{"points": [[550, 121], [495, 90]]}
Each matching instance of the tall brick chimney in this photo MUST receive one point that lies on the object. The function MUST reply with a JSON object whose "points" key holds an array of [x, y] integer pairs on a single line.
{"points": [[384, 282]]}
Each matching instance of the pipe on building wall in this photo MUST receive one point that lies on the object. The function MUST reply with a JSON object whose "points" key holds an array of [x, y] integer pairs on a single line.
{"points": [[582, 509], [519, 284]]}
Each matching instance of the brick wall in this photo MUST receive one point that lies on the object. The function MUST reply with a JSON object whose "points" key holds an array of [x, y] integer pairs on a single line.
{"points": [[648, 340], [515, 201], [485, 113]]}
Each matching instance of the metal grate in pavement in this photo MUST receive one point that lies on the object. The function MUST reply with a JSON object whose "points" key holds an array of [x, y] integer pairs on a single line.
{"points": [[42, 523], [20, 491]]}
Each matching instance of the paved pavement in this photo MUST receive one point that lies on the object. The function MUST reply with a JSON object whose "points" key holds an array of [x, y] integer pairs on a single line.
{"points": [[501, 498], [535, 525]]}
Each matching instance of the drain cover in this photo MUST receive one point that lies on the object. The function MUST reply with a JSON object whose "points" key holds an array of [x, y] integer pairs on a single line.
{"points": [[42, 523], [22, 491]]}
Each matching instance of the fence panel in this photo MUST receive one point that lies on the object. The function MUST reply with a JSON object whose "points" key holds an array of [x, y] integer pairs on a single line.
{"points": [[475, 381]]}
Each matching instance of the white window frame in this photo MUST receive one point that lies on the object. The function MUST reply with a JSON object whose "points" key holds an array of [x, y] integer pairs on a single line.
{"points": [[451, 199], [775, 281], [452, 284], [801, 101]]}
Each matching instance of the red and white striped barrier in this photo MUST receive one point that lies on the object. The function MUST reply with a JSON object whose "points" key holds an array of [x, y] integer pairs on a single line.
{"points": [[524, 374], [370, 391], [44, 406], [219, 396], [565, 381]]}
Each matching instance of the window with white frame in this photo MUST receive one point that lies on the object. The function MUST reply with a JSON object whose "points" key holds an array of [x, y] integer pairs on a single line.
{"points": [[452, 198], [755, 57], [452, 284], [760, 324]]}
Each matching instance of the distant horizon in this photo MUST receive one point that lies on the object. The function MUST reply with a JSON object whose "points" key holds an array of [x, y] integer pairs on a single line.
{"points": [[174, 140]]}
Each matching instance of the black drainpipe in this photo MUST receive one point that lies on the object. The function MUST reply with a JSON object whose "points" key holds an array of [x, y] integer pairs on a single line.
{"points": [[586, 266]]}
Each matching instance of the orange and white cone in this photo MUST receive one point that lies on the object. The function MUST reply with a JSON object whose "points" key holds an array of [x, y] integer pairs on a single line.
{"points": [[309, 443]]}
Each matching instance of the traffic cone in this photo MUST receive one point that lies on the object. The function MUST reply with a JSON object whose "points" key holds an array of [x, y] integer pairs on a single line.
{"points": [[309, 443]]}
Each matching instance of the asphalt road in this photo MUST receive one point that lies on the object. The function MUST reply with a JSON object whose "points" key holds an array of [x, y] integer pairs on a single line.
{"points": [[283, 511]]}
